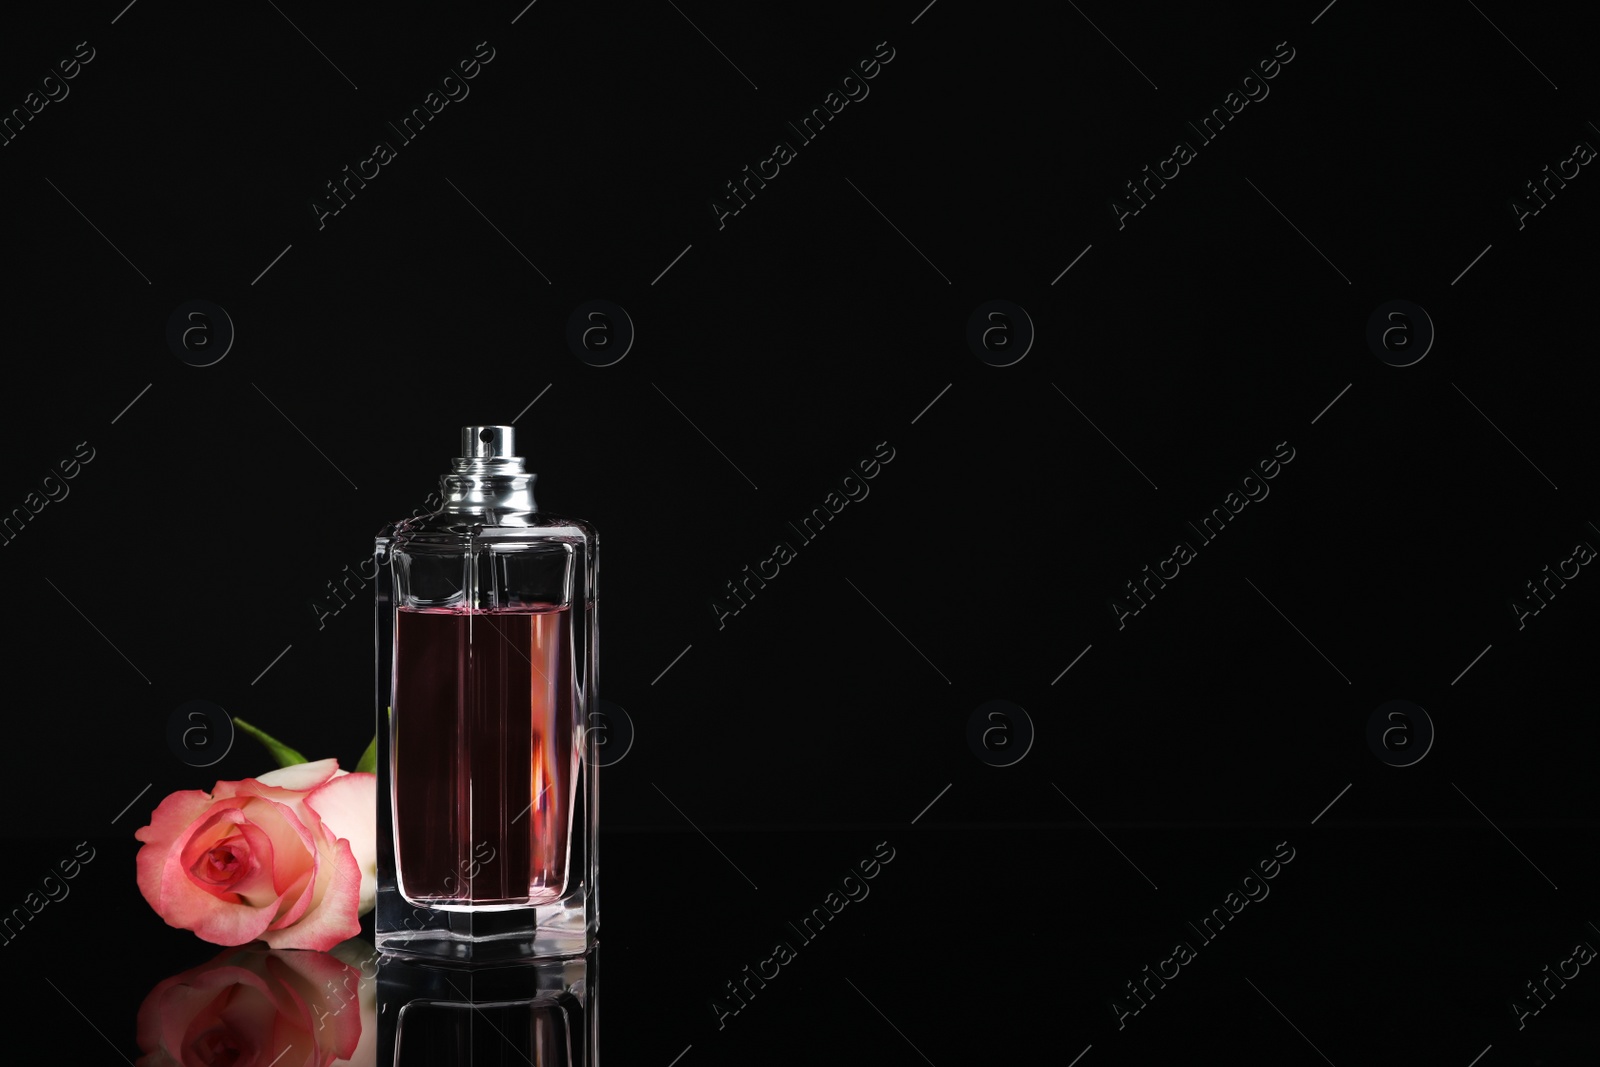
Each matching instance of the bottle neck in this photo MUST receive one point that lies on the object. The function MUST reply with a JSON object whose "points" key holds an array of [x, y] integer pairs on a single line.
{"points": [[476, 486]]}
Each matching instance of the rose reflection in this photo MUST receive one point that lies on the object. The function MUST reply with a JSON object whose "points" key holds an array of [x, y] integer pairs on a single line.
{"points": [[253, 1006]]}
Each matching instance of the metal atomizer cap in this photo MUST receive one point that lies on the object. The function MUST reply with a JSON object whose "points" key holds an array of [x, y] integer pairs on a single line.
{"points": [[487, 476]]}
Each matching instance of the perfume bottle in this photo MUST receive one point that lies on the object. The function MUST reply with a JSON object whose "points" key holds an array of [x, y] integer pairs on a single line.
{"points": [[486, 673]]}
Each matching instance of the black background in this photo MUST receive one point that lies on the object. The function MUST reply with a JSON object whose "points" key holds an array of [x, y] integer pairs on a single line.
{"points": [[820, 321]]}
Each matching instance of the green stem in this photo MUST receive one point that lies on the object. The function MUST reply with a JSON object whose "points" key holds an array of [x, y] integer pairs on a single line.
{"points": [[286, 756]]}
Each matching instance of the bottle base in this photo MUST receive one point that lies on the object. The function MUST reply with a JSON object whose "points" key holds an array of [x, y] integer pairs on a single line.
{"points": [[555, 931]]}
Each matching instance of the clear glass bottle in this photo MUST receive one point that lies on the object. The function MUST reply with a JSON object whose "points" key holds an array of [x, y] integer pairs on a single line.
{"points": [[486, 673]]}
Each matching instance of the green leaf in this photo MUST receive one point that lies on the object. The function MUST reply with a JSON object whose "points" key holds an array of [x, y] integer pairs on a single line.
{"points": [[369, 759], [286, 756]]}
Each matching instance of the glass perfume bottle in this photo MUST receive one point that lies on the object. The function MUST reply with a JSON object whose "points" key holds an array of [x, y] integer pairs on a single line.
{"points": [[486, 674]]}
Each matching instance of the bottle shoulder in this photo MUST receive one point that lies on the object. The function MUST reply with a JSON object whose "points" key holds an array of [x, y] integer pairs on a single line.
{"points": [[443, 527]]}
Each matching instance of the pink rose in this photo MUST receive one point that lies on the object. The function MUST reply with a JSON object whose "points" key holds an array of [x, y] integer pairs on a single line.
{"points": [[289, 857], [259, 1006]]}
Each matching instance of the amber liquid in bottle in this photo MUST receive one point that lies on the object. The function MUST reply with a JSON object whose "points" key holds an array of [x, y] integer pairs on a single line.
{"points": [[484, 762]]}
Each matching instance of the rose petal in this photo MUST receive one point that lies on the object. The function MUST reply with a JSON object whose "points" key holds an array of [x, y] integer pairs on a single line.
{"points": [[171, 820], [227, 862], [300, 776], [299, 897], [216, 830], [259, 887], [348, 807], [333, 914], [292, 839], [296, 869], [212, 918]]}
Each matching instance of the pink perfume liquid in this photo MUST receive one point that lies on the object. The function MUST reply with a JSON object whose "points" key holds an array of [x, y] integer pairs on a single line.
{"points": [[483, 752]]}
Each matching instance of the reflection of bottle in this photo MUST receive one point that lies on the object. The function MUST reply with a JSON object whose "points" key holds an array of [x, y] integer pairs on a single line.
{"points": [[543, 1014], [486, 642]]}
